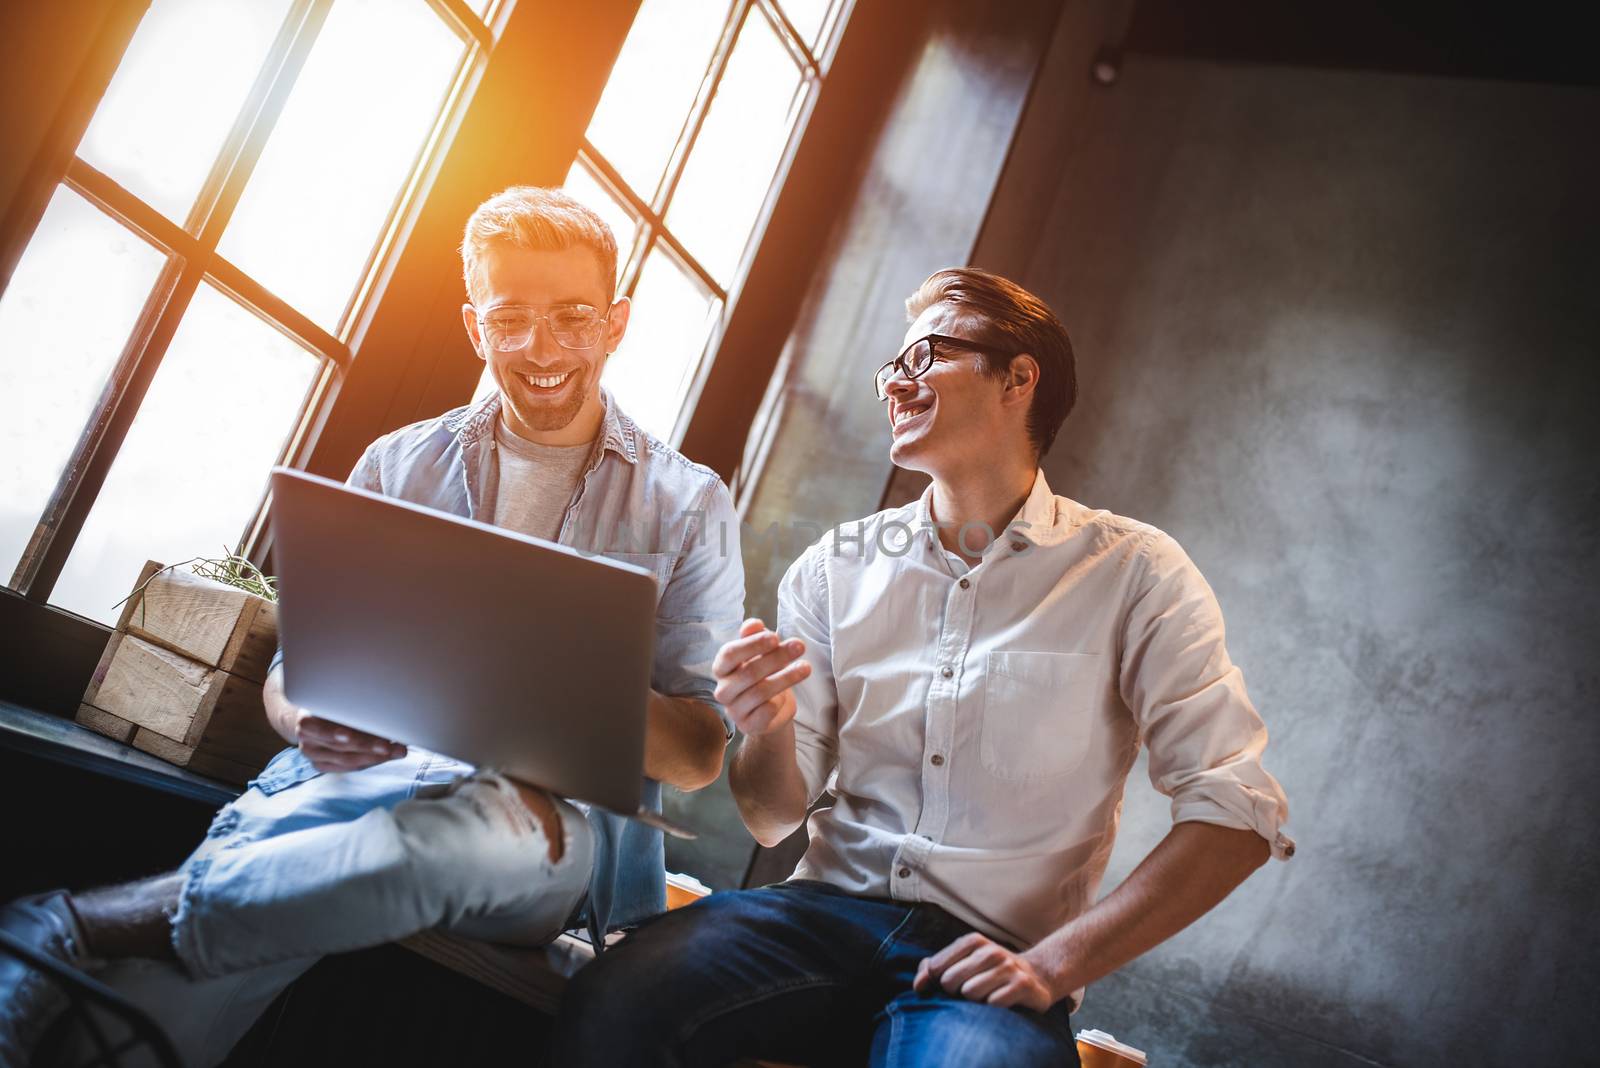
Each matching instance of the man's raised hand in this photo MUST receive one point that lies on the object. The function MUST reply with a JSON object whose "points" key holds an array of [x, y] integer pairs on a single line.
{"points": [[756, 673]]}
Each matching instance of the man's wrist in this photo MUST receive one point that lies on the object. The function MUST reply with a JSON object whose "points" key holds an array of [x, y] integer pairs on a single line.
{"points": [[778, 741], [1054, 960]]}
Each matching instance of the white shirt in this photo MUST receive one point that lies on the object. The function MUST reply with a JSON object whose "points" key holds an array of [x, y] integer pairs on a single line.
{"points": [[976, 726]]}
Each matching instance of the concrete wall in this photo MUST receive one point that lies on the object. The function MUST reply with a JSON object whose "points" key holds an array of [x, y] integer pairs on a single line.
{"points": [[1338, 332]]}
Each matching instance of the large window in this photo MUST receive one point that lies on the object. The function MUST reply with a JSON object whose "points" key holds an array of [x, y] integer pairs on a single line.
{"points": [[685, 150], [192, 286]]}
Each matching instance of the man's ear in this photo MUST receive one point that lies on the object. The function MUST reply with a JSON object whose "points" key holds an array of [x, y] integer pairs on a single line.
{"points": [[469, 319], [617, 323], [1022, 378]]}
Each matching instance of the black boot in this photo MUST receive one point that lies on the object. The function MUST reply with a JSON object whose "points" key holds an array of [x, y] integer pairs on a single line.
{"points": [[29, 999]]}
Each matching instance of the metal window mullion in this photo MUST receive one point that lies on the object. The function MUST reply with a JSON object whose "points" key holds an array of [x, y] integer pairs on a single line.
{"points": [[277, 312], [85, 472], [643, 238], [810, 78], [111, 198], [612, 184], [463, 21], [666, 237], [798, 49], [105, 193], [472, 60], [700, 109], [649, 220], [256, 541], [591, 156], [241, 152]]}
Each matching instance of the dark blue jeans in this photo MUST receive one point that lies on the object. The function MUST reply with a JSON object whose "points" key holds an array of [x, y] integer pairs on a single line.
{"points": [[800, 973]]}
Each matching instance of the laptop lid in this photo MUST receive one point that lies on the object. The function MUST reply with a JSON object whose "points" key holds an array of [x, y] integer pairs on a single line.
{"points": [[479, 643]]}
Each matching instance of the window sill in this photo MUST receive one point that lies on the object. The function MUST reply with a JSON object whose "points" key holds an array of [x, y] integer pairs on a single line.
{"points": [[53, 738]]}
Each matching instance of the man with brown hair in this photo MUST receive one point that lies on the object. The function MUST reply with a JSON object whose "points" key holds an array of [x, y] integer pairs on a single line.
{"points": [[347, 840], [971, 676]]}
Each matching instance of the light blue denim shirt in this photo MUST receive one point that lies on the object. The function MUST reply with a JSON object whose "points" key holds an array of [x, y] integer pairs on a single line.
{"points": [[639, 501]]}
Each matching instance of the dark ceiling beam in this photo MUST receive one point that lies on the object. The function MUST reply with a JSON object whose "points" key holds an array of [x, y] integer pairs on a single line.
{"points": [[1538, 42]]}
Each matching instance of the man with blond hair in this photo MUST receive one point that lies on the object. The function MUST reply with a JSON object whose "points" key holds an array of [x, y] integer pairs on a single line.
{"points": [[348, 840], [971, 677]]}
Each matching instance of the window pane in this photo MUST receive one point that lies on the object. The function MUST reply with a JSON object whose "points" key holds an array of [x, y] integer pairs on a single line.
{"points": [[64, 321], [653, 85], [587, 190], [194, 465], [730, 170], [362, 108], [176, 94], [671, 319], [808, 18]]}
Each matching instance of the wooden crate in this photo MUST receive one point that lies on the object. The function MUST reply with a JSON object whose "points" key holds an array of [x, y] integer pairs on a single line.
{"points": [[181, 676], [203, 620]]}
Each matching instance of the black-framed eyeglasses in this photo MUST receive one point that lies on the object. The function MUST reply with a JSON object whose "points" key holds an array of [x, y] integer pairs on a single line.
{"points": [[919, 356], [510, 327]]}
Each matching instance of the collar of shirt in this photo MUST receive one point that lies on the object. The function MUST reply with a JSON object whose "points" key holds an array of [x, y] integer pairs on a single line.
{"points": [[1040, 522]]}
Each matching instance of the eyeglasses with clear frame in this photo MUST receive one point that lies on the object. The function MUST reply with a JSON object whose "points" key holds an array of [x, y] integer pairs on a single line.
{"points": [[510, 327], [920, 354]]}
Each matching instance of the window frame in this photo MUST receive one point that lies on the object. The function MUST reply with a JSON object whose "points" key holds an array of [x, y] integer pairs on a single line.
{"points": [[411, 358], [652, 231], [190, 251]]}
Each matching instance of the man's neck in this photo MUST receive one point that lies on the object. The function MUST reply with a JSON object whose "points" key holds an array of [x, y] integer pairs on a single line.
{"points": [[973, 508]]}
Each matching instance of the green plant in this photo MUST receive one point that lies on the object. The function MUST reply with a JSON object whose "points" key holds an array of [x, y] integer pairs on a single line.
{"points": [[230, 569], [234, 570]]}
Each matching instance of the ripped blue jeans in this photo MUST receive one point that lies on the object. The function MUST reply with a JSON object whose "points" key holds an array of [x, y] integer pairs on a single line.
{"points": [[304, 864]]}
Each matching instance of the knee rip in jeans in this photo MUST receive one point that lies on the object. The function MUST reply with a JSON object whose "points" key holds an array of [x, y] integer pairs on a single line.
{"points": [[496, 798]]}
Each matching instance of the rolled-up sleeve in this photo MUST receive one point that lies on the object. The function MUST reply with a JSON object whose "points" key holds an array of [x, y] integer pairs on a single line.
{"points": [[803, 614], [703, 604], [1204, 736]]}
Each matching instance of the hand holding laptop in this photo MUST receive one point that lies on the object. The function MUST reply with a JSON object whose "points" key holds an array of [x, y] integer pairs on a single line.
{"points": [[533, 658], [328, 745], [332, 747]]}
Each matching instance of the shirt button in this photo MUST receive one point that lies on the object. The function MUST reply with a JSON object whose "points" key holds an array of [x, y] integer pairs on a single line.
{"points": [[936, 760], [904, 873], [965, 584], [946, 672]]}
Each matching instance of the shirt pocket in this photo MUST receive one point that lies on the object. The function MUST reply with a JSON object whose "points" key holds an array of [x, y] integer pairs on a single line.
{"points": [[289, 768], [658, 564], [1038, 713]]}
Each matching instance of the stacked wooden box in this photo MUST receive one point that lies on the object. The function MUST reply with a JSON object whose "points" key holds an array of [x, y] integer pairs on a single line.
{"points": [[181, 677]]}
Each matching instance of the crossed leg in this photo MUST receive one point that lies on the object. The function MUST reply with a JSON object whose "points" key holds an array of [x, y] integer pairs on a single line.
{"points": [[326, 864]]}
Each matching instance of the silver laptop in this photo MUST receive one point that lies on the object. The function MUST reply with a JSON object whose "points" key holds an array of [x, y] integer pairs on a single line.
{"points": [[494, 648]]}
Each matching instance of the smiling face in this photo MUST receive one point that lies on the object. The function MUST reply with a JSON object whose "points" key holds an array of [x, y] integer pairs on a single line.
{"points": [[954, 413], [548, 393]]}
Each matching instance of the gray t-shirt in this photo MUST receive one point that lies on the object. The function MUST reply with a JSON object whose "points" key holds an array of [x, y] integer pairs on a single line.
{"points": [[535, 482]]}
